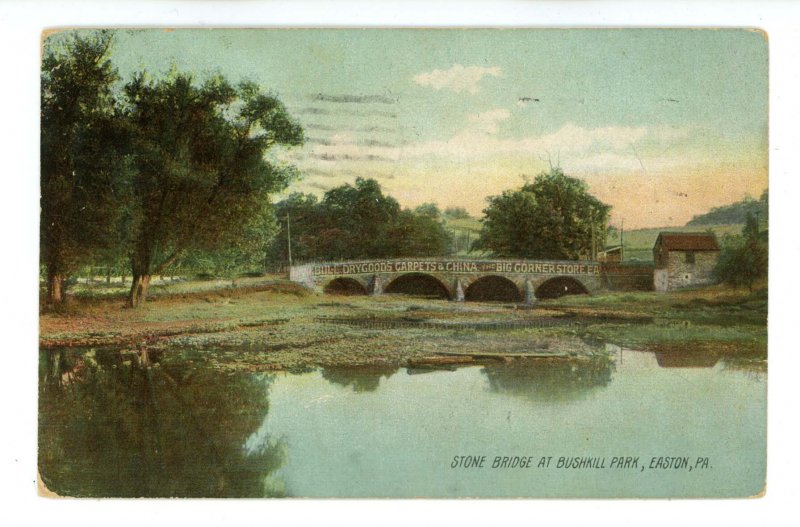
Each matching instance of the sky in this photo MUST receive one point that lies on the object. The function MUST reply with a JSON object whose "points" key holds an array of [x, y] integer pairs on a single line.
{"points": [[662, 124]]}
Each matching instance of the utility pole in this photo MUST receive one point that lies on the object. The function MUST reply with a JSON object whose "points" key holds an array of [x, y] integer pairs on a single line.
{"points": [[289, 238], [594, 242], [621, 240]]}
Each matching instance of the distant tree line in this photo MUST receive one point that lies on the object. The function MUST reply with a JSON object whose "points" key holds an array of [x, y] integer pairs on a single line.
{"points": [[736, 213], [456, 213], [353, 222]]}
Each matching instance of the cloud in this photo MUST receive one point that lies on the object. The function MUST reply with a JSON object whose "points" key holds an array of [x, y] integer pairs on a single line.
{"points": [[603, 148], [573, 138], [487, 122], [343, 173], [333, 141], [330, 128], [483, 139], [458, 78], [604, 162]]}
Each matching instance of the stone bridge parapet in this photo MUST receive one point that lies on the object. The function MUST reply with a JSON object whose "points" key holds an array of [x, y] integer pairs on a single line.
{"points": [[455, 279]]}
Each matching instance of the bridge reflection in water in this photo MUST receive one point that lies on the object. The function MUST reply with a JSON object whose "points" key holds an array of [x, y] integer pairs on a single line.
{"points": [[459, 280]]}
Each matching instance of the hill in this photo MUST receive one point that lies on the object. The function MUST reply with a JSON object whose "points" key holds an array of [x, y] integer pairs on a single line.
{"points": [[734, 214]]}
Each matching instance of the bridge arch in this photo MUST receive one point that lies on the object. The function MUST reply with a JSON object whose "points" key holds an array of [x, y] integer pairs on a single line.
{"points": [[418, 284], [559, 286], [345, 286], [493, 288]]}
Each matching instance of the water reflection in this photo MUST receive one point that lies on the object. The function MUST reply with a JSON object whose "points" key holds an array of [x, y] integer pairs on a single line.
{"points": [[133, 424], [687, 358], [360, 378], [549, 380], [201, 424]]}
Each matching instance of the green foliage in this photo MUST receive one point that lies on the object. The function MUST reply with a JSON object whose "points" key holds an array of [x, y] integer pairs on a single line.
{"points": [[170, 168], [456, 213], [83, 143], [362, 215], [356, 221], [430, 210], [201, 177], [244, 253], [554, 217], [743, 260], [750, 229], [417, 234]]}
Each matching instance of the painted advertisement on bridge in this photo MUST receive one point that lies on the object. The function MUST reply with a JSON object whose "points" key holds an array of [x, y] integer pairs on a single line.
{"points": [[457, 266]]}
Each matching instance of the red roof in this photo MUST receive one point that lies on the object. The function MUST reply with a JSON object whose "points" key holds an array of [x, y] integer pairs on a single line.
{"points": [[688, 241]]}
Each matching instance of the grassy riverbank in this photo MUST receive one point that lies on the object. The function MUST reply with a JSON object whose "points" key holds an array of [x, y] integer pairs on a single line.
{"points": [[277, 324]]}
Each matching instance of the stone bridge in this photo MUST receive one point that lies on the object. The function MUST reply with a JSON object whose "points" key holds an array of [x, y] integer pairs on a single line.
{"points": [[456, 279]]}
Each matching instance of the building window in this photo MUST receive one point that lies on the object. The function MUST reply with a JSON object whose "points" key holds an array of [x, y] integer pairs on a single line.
{"points": [[689, 258]]}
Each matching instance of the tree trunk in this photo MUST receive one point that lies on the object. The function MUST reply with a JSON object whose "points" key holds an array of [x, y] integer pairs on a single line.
{"points": [[55, 288], [140, 275], [139, 287], [142, 272]]}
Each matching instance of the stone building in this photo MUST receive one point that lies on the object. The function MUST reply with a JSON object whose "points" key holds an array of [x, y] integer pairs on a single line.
{"points": [[684, 259]]}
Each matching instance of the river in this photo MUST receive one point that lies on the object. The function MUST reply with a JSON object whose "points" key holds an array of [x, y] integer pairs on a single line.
{"points": [[185, 424]]}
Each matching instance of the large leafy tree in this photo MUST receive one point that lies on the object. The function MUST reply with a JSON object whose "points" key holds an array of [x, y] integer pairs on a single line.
{"points": [[200, 166], [83, 163], [745, 259], [419, 234], [553, 217], [363, 214], [356, 221]]}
